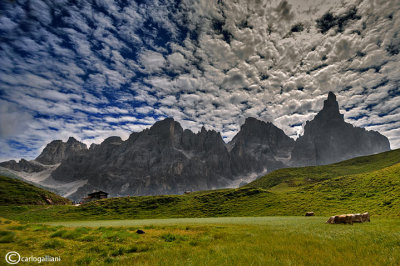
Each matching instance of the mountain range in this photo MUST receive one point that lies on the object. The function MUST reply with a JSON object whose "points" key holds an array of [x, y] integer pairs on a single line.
{"points": [[166, 159]]}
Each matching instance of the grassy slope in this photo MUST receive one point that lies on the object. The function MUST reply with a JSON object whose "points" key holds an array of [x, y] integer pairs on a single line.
{"points": [[295, 177], [270, 241], [17, 192], [369, 183]]}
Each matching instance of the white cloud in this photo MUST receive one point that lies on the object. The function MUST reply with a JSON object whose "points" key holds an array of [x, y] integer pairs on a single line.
{"points": [[238, 59], [176, 60], [152, 61], [13, 120]]}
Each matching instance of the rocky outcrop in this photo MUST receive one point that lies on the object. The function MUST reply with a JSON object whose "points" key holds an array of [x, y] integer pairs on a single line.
{"points": [[258, 147], [23, 166], [329, 139], [164, 159], [57, 150]]}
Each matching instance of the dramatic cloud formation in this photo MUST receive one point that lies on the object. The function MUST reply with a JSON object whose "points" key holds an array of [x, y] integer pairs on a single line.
{"points": [[92, 69]]}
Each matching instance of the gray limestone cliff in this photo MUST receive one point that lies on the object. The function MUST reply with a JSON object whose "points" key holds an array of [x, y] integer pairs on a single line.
{"points": [[23, 166], [165, 159], [57, 150], [329, 139], [259, 146]]}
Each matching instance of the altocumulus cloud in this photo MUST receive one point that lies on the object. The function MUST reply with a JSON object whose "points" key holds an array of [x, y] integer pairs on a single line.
{"points": [[92, 69]]}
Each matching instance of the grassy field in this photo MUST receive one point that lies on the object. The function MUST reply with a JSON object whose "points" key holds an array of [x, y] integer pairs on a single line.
{"points": [[210, 241], [269, 220]]}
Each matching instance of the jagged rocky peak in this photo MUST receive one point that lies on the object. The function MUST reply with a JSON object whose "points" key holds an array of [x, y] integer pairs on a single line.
{"points": [[116, 140], [202, 141], [330, 110], [331, 103], [211, 140], [208, 133], [166, 131], [108, 143], [163, 159], [256, 130], [73, 145], [329, 139], [93, 146], [165, 127], [57, 150], [72, 140], [23, 165], [254, 126], [259, 146]]}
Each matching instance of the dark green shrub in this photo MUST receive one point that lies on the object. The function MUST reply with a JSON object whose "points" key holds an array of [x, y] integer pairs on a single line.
{"points": [[168, 237], [58, 233], [132, 249], [17, 227], [7, 237], [71, 235], [84, 261], [96, 249], [118, 252], [88, 238], [54, 244]]}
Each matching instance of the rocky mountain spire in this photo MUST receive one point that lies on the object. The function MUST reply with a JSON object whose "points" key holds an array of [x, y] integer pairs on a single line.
{"points": [[330, 111], [329, 139]]}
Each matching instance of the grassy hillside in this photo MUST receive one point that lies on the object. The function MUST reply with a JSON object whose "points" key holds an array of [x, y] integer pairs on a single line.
{"points": [[289, 178], [369, 183], [17, 192]]}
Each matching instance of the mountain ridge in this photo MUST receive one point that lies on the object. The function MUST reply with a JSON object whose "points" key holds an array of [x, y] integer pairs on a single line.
{"points": [[167, 159], [328, 139]]}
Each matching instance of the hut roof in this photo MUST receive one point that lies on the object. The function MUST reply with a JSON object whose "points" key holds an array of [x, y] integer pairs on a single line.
{"points": [[97, 193]]}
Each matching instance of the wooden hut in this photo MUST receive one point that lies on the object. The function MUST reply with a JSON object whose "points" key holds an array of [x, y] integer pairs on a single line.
{"points": [[95, 196]]}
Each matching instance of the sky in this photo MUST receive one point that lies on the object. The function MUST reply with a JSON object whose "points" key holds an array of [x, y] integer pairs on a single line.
{"points": [[94, 69]]}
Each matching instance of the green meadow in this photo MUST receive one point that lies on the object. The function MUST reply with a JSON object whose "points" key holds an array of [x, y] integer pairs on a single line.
{"points": [[208, 241]]}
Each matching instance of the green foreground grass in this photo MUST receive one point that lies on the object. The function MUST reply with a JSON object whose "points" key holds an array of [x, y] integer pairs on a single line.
{"points": [[210, 241], [269, 220]]}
